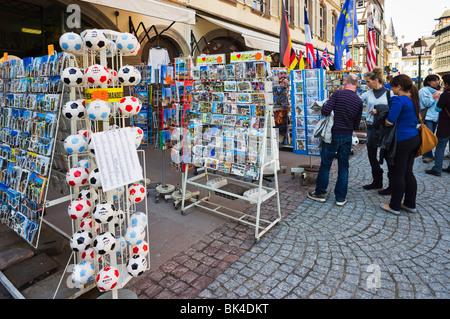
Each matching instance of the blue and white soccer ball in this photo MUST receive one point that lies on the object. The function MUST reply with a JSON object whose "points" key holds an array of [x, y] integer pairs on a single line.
{"points": [[104, 243], [72, 43], [121, 245], [128, 44], [96, 40], [98, 110], [118, 192], [129, 75], [103, 212], [111, 50], [134, 235], [73, 77], [136, 265], [74, 110], [75, 144], [80, 241], [83, 273], [139, 219]]}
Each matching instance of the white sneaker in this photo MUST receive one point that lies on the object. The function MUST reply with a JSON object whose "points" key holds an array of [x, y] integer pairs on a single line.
{"points": [[342, 203]]}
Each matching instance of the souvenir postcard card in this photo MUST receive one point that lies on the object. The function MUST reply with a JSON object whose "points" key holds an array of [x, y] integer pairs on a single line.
{"points": [[244, 86], [311, 73], [300, 133], [230, 71], [230, 86], [298, 87], [312, 120], [243, 98], [217, 96], [298, 99], [229, 120], [217, 119], [301, 145], [300, 122], [211, 163], [243, 109], [204, 72], [252, 172], [224, 167], [238, 169], [229, 97], [299, 110], [254, 123], [297, 76], [242, 121], [217, 108], [258, 98], [313, 150]]}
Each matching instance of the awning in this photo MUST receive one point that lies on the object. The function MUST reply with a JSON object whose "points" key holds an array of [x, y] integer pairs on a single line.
{"points": [[151, 8], [254, 39]]}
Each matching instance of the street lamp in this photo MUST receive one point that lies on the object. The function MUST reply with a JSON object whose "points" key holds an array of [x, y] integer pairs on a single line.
{"points": [[419, 48]]}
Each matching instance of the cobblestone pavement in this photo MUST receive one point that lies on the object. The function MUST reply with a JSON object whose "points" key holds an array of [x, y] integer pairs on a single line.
{"points": [[320, 250]]}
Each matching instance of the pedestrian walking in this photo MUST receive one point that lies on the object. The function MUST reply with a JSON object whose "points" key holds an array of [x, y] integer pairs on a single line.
{"points": [[387, 85], [376, 100], [347, 108], [428, 96], [443, 129], [404, 111]]}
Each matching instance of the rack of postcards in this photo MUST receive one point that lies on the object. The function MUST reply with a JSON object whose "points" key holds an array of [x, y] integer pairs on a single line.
{"points": [[108, 206], [30, 103], [281, 104], [307, 87], [231, 136], [143, 92]]}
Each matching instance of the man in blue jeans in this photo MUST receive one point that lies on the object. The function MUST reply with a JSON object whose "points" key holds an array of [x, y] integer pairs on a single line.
{"points": [[347, 107]]}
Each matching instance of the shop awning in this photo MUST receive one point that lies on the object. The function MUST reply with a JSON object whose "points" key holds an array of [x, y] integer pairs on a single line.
{"points": [[253, 39], [151, 8]]}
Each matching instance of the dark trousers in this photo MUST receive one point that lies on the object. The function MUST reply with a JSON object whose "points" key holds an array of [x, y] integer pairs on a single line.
{"points": [[404, 184]]}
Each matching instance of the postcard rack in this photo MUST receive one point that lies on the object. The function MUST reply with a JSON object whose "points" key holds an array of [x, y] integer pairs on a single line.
{"points": [[236, 162]]}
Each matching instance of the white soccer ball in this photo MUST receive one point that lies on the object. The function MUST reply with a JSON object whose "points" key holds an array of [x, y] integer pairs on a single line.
{"points": [[129, 105], [111, 50], [87, 224], [104, 243], [136, 265], [75, 144], [128, 44], [83, 273], [88, 194], [80, 241], [72, 77], [118, 192], [96, 75], [83, 162], [72, 43], [139, 133], [74, 110], [94, 178], [119, 218], [136, 193], [355, 140], [129, 75], [113, 78], [139, 219], [107, 278], [77, 176], [140, 249], [89, 255], [79, 208], [86, 133], [98, 110], [95, 40], [134, 235], [103, 212], [121, 245]]}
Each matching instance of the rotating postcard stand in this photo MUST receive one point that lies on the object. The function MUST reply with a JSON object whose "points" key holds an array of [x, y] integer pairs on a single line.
{"points": [[231, 132], [110, 236]]}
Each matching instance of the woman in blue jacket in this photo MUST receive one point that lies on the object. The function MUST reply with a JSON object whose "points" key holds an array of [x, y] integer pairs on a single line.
{"points": [[404, 110], [428, 97]]}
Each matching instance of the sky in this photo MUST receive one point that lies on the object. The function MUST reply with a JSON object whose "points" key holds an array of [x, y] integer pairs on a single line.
{"points": [[414, 18]]}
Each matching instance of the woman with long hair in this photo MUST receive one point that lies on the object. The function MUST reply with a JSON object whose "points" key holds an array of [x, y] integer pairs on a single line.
{"points": [[404, 110]]}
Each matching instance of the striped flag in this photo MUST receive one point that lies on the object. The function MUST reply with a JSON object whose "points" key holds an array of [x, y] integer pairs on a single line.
{"points": [[348, 58], [326, 59], [309, 46], [371, 54], [301, 62], [287, 53]]}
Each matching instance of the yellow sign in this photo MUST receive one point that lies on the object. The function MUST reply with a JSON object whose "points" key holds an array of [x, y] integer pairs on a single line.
{"points": [[211, 59], [108, 94], [248, 56]]}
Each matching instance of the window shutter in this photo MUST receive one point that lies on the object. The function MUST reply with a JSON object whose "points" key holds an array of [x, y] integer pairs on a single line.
{"points": [[275, 8], [302, 14], [329, 26]]}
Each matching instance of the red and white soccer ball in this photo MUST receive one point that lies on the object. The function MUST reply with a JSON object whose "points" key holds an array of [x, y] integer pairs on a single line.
{"points": [[107, 278], [136, 193], [139, 133], [140, 249], [79, 208], [129, 105], [88, 224], [96, 75], [113, 78], [77, 176], [89, 255]]}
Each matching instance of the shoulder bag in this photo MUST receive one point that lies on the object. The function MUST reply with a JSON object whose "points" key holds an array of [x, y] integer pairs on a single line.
{"points": [[429, 140]]}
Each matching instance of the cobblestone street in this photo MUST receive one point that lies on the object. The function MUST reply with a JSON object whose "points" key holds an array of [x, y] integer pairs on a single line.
{"points": [[320, 250]]}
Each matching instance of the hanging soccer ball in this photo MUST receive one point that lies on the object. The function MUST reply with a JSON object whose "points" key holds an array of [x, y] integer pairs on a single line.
{"points": [[104, 243], [103, 212], [83, 162], [129, 75], [89, 254], [80, 241], [139, 135], [77, 176], [136, 51], [72, 43], [94, 178], [83, 273], [107, 278], [118, 192], [113, 78], [138, 218], [136, 265], [88, 194], [74, 110], [75, 144], [96, 75], [121, 245], [136, 193], [72, 77], [134, 235], [119, 217], [95, 40], [87, 224], [79, 208], [127, 43], [129, 105], [140, 249], [111, 50], [98, 110]]}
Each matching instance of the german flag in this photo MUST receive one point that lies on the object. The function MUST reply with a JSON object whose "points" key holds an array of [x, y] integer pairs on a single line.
{"points": [[287, 53]]}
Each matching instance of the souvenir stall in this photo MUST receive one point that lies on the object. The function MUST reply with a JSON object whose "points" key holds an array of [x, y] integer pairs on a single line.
{"points": [[230, 135]]}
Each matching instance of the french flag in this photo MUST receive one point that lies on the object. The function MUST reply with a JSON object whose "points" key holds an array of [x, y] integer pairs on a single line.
{"points": [[309, 46]]}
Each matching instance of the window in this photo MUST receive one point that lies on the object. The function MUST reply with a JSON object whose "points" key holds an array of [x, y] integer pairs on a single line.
{"points": [[259, 5], [360, 4], [321, 22], [333, 26]]}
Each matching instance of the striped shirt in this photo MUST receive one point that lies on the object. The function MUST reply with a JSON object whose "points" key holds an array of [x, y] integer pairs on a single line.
{"points": [[347, 107]]}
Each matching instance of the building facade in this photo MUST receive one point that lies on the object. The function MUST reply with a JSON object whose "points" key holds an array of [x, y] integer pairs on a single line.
{"points": [[441, 50]]}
